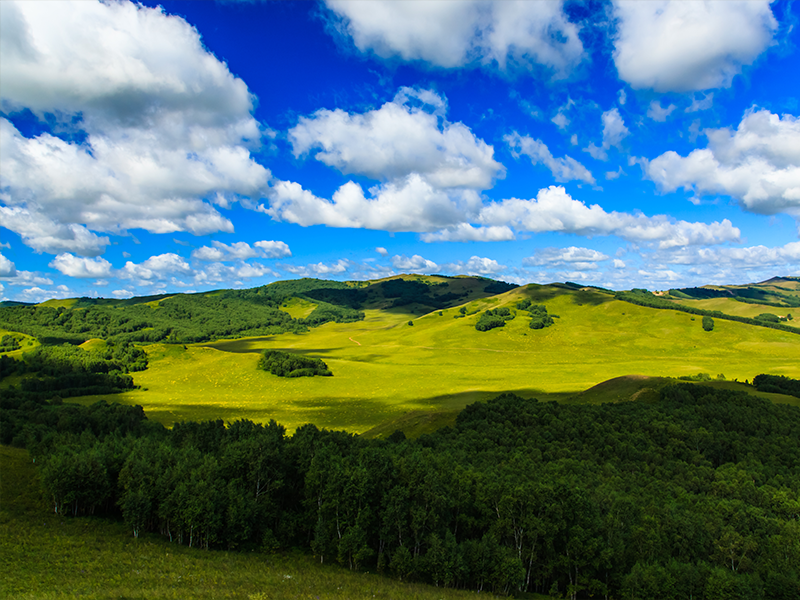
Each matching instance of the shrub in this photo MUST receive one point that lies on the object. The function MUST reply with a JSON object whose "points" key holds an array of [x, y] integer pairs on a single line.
{"points": [[708, 323], [286, 364]]}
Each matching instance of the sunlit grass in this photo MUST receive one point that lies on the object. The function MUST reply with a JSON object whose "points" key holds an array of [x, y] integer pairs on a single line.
{"points": [[383, 368]]}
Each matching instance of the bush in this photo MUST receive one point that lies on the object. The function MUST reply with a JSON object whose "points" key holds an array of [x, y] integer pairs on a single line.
{"points": [[708, 323], [769, 317], [286, 364]]}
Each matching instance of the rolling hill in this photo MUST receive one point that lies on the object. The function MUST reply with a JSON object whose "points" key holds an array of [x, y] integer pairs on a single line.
{"points": [[407, 347]]}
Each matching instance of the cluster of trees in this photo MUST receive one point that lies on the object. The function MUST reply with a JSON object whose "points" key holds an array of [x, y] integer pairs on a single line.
{"points": [[778, 384], [748, 295], [708, 323], [68, 371], [539, 317], [695, 495], [9, 343], [490, 319], [287, 364], [643, 297]]}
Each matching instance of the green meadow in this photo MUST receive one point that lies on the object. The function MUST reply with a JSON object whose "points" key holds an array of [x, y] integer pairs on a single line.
{"points": [[386, 369], [49, 557]]}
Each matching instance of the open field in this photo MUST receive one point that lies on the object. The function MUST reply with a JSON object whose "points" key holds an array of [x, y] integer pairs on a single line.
{"points": [[385, 368], [740, 309], [47, 557]]}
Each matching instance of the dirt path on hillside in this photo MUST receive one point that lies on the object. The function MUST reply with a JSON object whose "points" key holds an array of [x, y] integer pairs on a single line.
{"points": [[355, 342]]}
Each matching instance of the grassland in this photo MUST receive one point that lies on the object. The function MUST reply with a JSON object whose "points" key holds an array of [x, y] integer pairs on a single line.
{"points": [[47, 557], [385, 369]]}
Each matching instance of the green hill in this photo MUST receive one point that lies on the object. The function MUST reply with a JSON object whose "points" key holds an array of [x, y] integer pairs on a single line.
{"points": [[408, 346]]}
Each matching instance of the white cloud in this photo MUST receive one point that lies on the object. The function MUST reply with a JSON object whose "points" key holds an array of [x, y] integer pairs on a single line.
{"points": [[747, 257], [273, 249], [474, 266], [410, 204], [320, 269], [577, 258], [614, 131], [758, 164], [241, 251], [563, 169], [561, 120], [7, 268], [688, 46], [554, 209], [167, 127], [414, 264], [74, 266], [464, 232], [43, 234], [659, 113], [619, 264], [122, 294], [218, 273], [701, 104], [28, 278], [37, 294], [397, 140], [610, 175], [623, 97], [456, 34], [156, 267], [382, 251]]}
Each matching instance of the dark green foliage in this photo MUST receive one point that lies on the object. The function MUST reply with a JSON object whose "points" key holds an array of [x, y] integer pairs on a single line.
{"points": [[645, 298], [9, 343], [188, 318], [694, 495], [491, 319], [499, 287], [67, 371], [411, 291], [411, 323], [539, 317], [708, 323], [286, 364], [778, 384], [769, 317]]}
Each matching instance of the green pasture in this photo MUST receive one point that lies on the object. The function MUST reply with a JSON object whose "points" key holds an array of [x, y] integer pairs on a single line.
{"points": [[48, 557], [729, 306], [26, 343], [383, 368]]}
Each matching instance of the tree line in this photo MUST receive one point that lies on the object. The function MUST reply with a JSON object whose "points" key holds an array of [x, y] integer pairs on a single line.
{"points": [[696, 495]]}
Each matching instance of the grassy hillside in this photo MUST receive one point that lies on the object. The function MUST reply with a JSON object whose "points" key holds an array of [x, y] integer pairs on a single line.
{"points": [[47, 557], [383, 368]]}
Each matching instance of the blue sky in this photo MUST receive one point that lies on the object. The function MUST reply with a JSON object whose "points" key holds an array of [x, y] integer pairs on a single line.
{"points": [[187, 146]]}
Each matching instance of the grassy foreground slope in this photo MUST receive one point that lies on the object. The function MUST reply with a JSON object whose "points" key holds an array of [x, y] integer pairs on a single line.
{"points": [[384, 367], [48, 557]]}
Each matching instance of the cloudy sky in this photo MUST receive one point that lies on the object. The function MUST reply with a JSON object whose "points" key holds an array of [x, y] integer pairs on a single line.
{"points": [[201, 145]]}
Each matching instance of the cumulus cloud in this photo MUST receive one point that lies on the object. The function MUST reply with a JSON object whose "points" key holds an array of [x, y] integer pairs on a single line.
{"points": [[666, 45], [658, 112], [166, 128], [74, 266], [7, 268], [456, 34], [580, 259], [122, 294], [614, 131], [475, 266], [382, 251], [464, 232], [320, 269], [563, 169], [555, 210], [36, 294], [414, 264], [399, 139], [217, 273], [746, 257], [758, 164], [241, 251], [698, 104], [409, 204], [156, 267]]}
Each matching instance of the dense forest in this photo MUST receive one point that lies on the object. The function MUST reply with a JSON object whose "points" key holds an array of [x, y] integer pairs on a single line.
{"points": [[696, 495]]}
